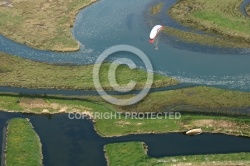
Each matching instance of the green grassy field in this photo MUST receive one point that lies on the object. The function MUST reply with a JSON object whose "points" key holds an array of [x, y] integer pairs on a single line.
{"points": [[237, 125], [23, 144], [42, 24], [214, 124], [205, 99], [134, 153], [220, 17], [205, 39], [18, 72]]}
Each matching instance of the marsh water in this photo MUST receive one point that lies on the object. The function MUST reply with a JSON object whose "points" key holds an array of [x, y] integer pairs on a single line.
{"points": [[112, 22], [75, 142]]}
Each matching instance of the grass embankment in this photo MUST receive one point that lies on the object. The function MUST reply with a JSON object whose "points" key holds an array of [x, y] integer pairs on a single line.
{"points": [[205, 39], [42, 24], [220, 17], [157, 8], [213, 124], [23, 144], [125, 125], [134, 153], [201, 98], [18, 72]]}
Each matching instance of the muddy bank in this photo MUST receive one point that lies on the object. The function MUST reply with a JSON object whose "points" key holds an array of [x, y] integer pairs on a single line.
{"points": [[247, 9]]}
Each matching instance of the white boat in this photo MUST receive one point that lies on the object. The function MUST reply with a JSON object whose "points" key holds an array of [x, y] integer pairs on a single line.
{"points": [[194, 131]]}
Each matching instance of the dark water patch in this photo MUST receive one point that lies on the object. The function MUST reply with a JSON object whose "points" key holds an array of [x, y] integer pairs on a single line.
{"points": [[129, 21], [3, 144], [176, 144], [27, 91], [75, 142]]}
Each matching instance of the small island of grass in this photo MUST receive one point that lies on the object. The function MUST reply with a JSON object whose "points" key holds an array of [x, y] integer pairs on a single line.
{"points": [[18, 72], [134, 153], [157, 8], [23, 146], [222, 18], [42, 24]]}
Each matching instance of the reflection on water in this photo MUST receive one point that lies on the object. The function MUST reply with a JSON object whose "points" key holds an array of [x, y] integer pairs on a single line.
{"points": [[75, 142]]}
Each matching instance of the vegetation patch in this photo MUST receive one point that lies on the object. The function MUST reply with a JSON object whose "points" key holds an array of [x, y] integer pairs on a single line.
{"points": [[23, 146], [35, 104], [18, 72], [200, 98], [135, 153], [223, 18], [157, 8], [42, 24], [126, 125], [205, 39], [95, 108]]}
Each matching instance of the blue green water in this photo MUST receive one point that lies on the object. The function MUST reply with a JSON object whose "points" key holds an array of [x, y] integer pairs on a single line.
{"points": [[112, 22], [127, 24]]}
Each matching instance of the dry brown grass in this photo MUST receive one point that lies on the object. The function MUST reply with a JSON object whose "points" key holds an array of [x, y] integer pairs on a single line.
{"points": [[39, 105], [43, 24], [220, 125]]}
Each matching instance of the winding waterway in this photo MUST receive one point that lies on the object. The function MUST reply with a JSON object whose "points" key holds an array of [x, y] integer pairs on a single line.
{"points": [[124, 22], [75, 142]]}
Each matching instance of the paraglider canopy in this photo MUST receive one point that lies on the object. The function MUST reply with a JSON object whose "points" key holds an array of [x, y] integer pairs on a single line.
{"points": [[156, 29]]}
